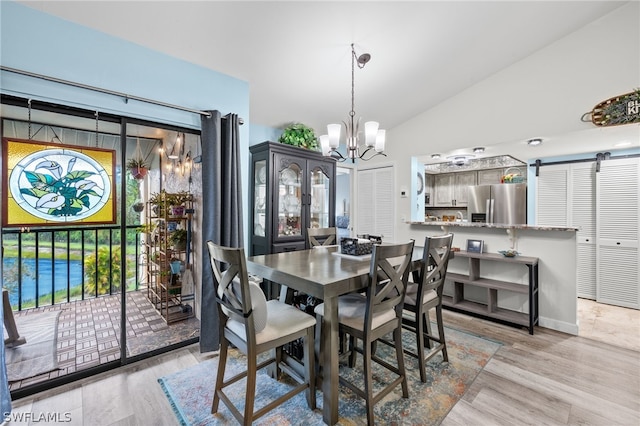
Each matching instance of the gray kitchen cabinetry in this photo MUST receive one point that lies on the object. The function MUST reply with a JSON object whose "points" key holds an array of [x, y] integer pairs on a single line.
{"points": [[490, 176], [450, 189]]}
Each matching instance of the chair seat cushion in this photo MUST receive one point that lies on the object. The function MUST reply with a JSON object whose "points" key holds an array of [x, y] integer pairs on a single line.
{"points": [[282, 320], [411, 296], [351, 310]]}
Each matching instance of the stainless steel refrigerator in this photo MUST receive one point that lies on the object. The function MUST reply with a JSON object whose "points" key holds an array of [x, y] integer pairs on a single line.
{"points": [[501, 203]]}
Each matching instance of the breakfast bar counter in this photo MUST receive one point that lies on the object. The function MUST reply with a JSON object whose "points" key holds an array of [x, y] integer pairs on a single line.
{"points": [[552, 247]]}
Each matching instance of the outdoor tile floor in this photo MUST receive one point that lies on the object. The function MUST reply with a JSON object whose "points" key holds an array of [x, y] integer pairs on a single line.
{"points": [[89, 332]]}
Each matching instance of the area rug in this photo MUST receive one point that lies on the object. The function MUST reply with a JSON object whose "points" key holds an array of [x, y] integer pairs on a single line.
{"points": [[38, 355], [190, 391]]}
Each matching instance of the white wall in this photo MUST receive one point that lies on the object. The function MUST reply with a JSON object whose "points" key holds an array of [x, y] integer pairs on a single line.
{"points": [[546, 93]]}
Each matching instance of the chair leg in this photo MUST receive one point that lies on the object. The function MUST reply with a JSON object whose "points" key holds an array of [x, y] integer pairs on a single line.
{"points": [[427, 326], [310, 368], [222, 364], [318, 348], [445, 356], [352, 351], [397, 337], [420, 343], [368, 379], [250, 394]]}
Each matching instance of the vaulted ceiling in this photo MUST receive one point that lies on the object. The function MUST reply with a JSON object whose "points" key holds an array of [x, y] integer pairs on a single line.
{"points": [[296, 56]]}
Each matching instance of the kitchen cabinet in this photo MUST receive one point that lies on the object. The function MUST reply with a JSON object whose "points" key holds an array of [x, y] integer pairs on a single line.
{"points": [[428, 191], [168, 290], [490, 176], [292, 189], [450, 189]]}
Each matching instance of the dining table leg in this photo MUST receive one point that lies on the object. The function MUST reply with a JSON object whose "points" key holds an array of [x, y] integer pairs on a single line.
{"points": [[330, 361]]}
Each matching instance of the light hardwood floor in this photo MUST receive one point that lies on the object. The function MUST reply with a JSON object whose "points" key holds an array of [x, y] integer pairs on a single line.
{"points": [[550, 378]]}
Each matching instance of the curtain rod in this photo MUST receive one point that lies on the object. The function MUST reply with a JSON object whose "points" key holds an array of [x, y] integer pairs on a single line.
{"points": [[107, 91]]}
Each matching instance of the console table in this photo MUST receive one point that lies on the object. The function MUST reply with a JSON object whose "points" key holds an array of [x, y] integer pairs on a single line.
{"points": [[490, 310]]}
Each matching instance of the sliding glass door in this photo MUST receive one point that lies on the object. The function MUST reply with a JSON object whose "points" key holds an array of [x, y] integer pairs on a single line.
{"points": [[87, 251]]}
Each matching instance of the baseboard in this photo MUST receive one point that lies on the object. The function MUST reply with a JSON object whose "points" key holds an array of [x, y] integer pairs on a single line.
{"points": [[562, 326]]}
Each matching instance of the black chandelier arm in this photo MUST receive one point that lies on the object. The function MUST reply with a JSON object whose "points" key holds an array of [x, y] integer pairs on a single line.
{"points": [[362, 156], [337, 156]]}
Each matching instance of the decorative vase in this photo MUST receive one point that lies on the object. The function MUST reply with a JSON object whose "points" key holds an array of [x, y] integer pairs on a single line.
{"points": [[177, 210], [139, 173]]}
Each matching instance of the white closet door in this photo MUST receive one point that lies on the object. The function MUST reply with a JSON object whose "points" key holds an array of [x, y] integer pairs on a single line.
{"points": [[551, 196], [582, 213], [618, 232], [376, 203]]}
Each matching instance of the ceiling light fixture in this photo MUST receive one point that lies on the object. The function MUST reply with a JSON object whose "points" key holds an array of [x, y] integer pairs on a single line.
{"points": [[478, 149], [460, 159], [435, 156], [374, 137], [534, 142]]}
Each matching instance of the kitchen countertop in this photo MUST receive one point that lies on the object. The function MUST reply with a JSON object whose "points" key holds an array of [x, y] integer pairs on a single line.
{"points": [[497, 226]]}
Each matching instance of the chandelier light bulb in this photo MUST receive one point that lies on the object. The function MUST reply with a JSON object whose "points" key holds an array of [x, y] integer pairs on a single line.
{"points": [[370, 133], [333, 131], [381, 137]]}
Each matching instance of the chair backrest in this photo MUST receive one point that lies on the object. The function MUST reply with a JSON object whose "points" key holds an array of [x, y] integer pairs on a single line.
{"points": [[435, 260], [388, 275], [231, 285], [328, 233]]}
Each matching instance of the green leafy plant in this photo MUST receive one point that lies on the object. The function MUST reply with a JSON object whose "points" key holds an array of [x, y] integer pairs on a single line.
{"points": [[179, 239], [97, 272], [297, 134], [137, 163]]}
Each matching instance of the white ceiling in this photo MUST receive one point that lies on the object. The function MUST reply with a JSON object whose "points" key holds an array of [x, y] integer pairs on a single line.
{"points": [[296, 55]]}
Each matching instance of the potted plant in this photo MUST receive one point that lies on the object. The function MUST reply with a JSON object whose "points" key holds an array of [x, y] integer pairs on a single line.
{"points": [[179, 239], [138, 207], [159, 201], [177, 202], [138, 168], [300, 135]]}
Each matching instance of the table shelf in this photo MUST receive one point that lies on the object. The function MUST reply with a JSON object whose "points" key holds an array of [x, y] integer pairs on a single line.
{"points": [[490, 309]]}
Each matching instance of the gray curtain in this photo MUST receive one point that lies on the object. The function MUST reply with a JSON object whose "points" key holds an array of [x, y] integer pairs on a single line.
{"points": [[5, 401], [221, 207]]}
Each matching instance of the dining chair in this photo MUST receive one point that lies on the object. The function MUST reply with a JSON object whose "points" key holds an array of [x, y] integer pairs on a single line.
{"points": [[374, 314], [255, 326], [321, 236], [424, 294]]}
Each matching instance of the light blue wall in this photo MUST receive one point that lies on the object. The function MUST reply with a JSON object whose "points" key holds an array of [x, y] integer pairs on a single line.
{"points": [[531, 175], [34, 41], [262, 133]]}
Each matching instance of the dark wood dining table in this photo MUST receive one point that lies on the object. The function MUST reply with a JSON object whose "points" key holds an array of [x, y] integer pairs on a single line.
{"points": [[325, 274]]}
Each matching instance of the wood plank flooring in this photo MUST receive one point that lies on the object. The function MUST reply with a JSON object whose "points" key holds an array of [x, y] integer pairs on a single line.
{"points": [[549, 378]]}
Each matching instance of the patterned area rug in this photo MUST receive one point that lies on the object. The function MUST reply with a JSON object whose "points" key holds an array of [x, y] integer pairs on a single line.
{"points": [[38, 355], [190, 391]]}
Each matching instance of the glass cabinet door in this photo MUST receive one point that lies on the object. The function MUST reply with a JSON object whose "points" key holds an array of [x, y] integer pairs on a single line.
{"points": [[260, 198], [289, 200], [319, 209]]}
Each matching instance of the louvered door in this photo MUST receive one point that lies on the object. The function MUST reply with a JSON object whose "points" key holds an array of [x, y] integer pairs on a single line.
{"points": [[582, 213], [618, 232], [551, 196], [376, 203]]}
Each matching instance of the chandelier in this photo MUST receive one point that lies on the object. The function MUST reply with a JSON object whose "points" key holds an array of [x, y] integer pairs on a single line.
{"points": [[374, 137]]}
